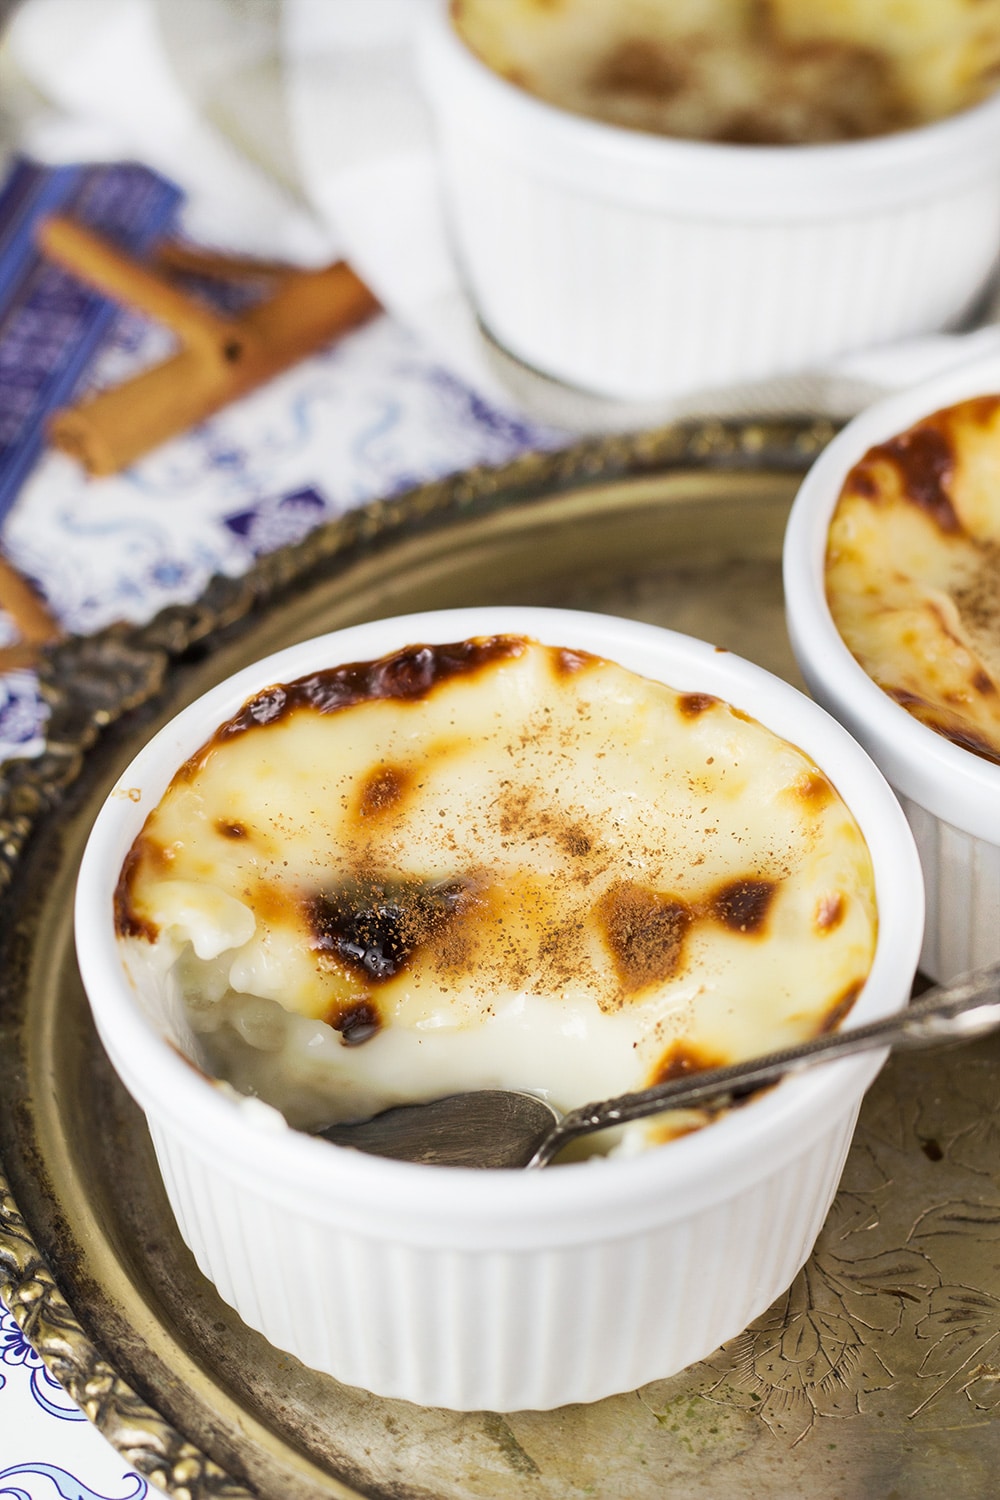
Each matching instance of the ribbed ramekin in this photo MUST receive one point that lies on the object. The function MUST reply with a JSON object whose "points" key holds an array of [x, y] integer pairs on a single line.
{"points": [[498, 1290], [642, 268], [951, 797]]}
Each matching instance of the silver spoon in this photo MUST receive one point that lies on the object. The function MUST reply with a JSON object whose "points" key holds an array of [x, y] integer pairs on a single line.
{"points": [[503, 1128]]}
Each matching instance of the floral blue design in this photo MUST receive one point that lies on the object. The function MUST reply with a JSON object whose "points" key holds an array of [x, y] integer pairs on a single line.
{"points": [[53, 1398], [14, 1346], [15, 1349], [66, 1484]]}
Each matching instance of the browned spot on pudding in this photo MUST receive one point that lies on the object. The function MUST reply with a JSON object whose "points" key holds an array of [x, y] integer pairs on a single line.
{"points": [[830, 911], [375, 927], [840, 1007], [934, 718], [814, 790], [907, 699], [860, 481], [681, 1060], [407, 675], [128, 922], [638, 66], [644, 931], [567, 663], [231, 828], [357, 1022], [693, 705], [743, 905], [966, 738], [983, 683], [268, 900], [924, 459], [382, 790]]}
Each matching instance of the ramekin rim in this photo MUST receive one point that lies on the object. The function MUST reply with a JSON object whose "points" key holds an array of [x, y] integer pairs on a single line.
{"points": [[171, 1088]]}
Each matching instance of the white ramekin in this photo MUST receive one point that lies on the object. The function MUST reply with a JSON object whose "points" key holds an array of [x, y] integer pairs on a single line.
{"points": [[499, 1290], [951, 797], [642, 268]]}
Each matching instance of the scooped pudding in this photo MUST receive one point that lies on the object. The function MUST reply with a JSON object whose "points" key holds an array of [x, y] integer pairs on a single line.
{"points": [[913, 570], [493, 863]]}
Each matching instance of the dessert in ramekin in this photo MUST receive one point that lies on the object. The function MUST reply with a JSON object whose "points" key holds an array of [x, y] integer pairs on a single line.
{"points": [[498, 1290], [892, 593], [646, 267]]}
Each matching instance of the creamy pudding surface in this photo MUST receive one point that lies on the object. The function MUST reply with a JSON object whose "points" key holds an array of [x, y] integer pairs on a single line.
{"points": [[759, 72], [913, 570], [493, 863]]}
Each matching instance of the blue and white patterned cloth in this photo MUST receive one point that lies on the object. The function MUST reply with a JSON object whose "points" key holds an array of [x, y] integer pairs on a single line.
{"points": [[368, 417]]}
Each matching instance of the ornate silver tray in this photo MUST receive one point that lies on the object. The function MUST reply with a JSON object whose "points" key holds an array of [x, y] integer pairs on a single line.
{"points": [[878, 1374]]}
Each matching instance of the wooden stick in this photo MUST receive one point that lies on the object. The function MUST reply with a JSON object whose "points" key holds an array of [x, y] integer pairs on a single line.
{"points": [[176, 256], [221, 359], [93, 260], [114, 428], [18, 658], [36, 624]]}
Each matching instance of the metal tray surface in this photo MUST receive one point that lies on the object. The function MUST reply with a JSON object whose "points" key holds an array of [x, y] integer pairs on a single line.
{"points": [[877, 1374]]}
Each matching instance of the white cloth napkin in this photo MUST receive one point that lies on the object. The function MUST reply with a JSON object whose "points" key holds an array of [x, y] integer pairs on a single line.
{"points": [[297, 129]]}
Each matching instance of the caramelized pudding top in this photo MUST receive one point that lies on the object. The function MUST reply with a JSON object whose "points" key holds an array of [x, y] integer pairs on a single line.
{"points": [[763, 72], [494, 863], [913, 570]]}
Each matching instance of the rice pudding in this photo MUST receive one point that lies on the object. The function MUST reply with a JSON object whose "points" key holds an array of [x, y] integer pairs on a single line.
{"points": [[493, 863], [913, 570], [743, 71]]}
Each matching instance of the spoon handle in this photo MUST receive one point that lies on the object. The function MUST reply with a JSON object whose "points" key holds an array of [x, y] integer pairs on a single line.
{"points": [[966, 1008]]}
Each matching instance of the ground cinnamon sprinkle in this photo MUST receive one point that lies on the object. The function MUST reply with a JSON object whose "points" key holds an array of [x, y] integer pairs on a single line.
{"points": [[978, 596]]}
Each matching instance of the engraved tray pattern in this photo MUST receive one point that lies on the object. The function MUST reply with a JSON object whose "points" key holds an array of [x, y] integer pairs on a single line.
{"points": [[878, 1373]]}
